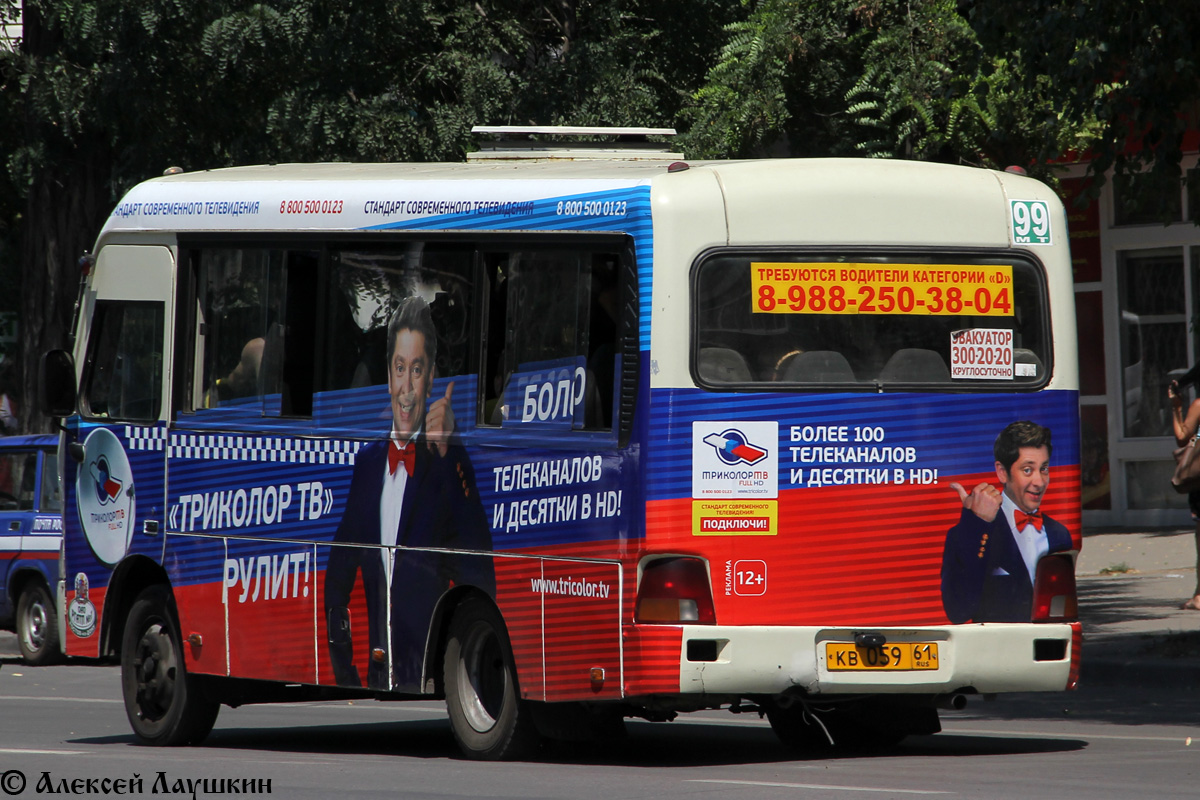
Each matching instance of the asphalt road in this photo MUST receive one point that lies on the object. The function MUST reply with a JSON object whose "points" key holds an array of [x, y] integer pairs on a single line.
{"points": [[61, 726]]}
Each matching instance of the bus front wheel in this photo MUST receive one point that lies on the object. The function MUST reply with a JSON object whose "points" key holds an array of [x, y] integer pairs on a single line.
{"points": [[164, 704], [489, 719]]}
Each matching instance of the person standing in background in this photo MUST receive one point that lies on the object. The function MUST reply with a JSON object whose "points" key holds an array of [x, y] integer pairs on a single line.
{"points": [[1185, 426]]}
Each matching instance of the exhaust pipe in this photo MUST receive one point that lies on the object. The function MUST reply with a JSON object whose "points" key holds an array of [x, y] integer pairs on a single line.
{"points": [[952, 702]]}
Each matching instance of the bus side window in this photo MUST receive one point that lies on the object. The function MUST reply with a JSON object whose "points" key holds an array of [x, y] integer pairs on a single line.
{"points": [[232, 326], [495, 267], [552, 345], [603, 334], [291, 341], [366, 286], [256, 331], [123, 366]]}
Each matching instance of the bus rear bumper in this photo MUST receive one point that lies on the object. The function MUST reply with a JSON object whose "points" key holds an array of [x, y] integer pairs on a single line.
{"points": [[984, 658]]}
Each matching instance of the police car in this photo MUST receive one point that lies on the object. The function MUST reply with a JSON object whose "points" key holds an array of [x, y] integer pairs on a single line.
{"points": [[30, 537]]}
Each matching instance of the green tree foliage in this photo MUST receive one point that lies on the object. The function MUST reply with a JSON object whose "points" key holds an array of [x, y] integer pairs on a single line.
{"points": [[625, 63], [930, 91], [1017, 120], [105, 93], [916, 90], [10, 200], [1127, 69], [779, 82], [881, 78], [225, 82]]}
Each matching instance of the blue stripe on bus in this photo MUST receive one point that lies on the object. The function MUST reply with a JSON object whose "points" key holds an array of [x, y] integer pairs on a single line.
{"points": [[943, 429]]}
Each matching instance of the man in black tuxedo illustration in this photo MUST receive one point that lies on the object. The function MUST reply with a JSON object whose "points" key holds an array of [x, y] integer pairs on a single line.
{"points": [[990, 557], [411, 491]]}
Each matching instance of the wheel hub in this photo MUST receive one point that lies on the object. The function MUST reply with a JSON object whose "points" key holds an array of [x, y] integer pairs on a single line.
{"points": [[37, 627], [482, 678], [155, 668]]}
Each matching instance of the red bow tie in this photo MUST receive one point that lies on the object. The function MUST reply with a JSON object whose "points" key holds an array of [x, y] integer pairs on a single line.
{"points": [[407, 454], [1022, 519]]}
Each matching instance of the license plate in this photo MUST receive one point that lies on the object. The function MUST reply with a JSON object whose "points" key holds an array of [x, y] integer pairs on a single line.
{"points": [[847, 656]]}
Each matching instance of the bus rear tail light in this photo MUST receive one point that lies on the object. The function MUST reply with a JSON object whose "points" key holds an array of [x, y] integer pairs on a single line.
{"points": [[675, 590], [1054, 598]]}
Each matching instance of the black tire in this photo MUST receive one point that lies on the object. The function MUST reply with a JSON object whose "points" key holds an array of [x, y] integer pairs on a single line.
{"points": [[165, 705], [37, 626], [489, 719]]}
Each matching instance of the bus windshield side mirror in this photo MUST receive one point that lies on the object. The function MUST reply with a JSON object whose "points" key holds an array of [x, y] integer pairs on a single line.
{"points": [[56, 384]]}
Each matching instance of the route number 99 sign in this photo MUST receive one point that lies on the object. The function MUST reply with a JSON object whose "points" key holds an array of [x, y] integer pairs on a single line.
{"points": [[842, 288], [1030, 221]]}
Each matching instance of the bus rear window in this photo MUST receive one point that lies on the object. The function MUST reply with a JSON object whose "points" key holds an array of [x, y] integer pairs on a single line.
{"points": [[866, 322]]}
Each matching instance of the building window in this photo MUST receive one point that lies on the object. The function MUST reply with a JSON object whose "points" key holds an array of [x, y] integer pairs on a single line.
{"points": [[1153, 336], [1194, 317], [1148, 485]]}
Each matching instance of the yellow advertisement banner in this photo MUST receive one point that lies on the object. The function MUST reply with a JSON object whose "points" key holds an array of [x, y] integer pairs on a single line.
{"points": [[735, 517], [827, 288]]}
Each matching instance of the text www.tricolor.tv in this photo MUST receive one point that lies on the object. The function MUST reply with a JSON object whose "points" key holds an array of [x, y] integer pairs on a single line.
{"points": [[569, 586]]}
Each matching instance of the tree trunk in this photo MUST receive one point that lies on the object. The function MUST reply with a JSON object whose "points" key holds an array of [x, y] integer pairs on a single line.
{"points": [[66, 204], [62, 218]]}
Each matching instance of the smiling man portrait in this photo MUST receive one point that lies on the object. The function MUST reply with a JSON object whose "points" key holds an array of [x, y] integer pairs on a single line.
{"points": [[413, 501], [989, 562]]}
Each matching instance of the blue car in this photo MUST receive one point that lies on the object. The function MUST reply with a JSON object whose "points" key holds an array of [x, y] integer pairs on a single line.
{"points": [[30, 538]]}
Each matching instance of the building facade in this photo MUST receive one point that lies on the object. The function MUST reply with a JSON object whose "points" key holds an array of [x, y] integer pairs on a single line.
{"points": [[1137, 293]]}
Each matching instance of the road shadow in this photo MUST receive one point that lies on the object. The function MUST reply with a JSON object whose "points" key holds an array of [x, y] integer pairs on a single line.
{"points": [[1127, 677], [669, 745], [1170, 634], [414, 738], [700, 745], [1126, 704], [1117, 599]]}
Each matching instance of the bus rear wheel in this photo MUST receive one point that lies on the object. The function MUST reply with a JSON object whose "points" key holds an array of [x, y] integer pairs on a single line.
{"points": [[37, 626], [165, 705], [489, 719]]}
